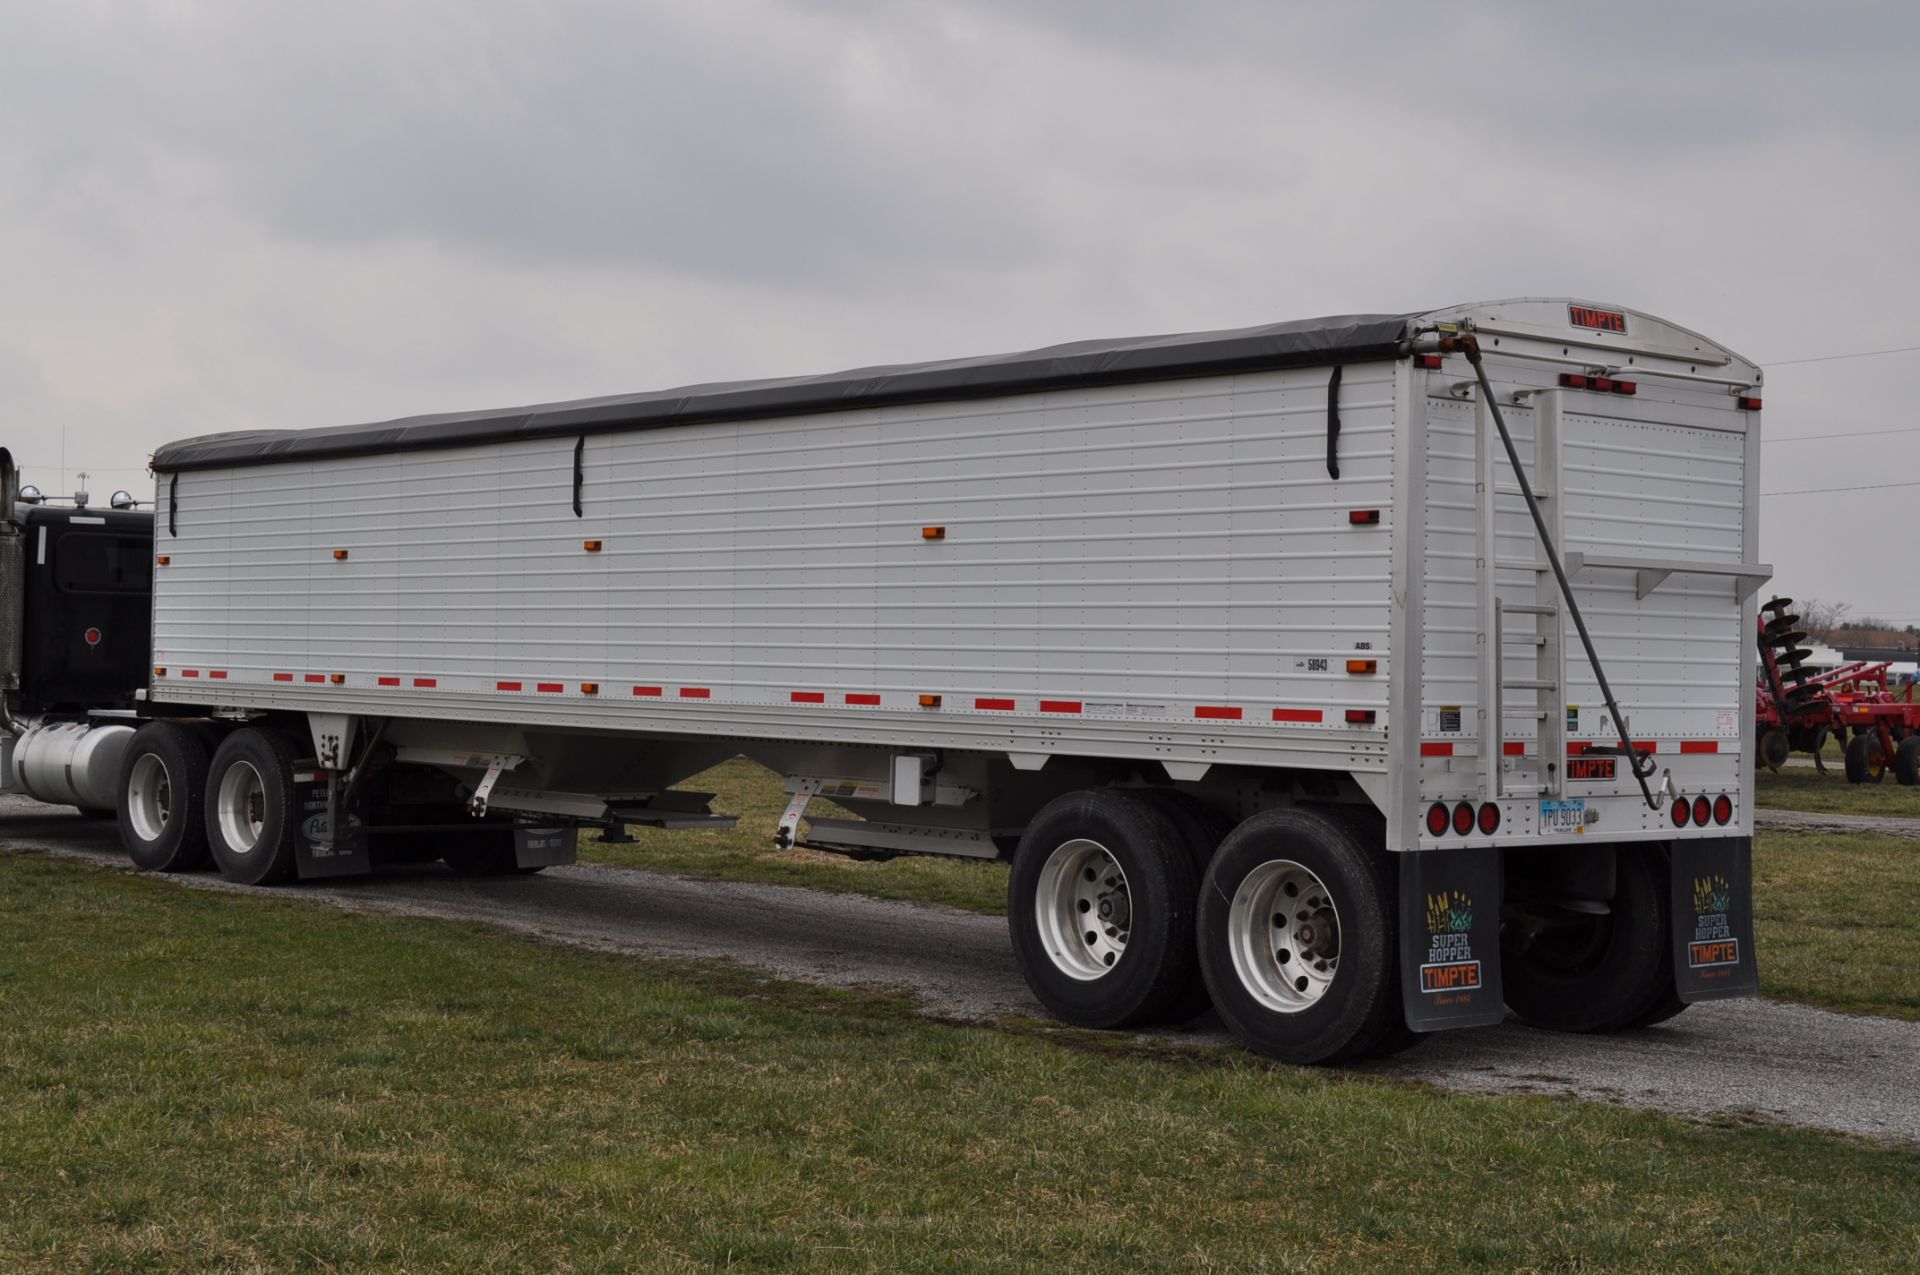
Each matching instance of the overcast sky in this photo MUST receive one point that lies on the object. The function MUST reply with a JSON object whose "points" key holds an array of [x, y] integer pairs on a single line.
{"points": [[251, 214]]}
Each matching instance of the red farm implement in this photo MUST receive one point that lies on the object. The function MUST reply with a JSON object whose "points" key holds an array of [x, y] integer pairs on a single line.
{"points": [[1798, 709]]}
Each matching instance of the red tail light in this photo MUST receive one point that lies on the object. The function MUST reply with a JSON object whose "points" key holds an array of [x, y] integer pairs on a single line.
{"points": [[1748, 403], [1489, 818], [1681, 810], [1438, 819], [1702, 811], [1432, 362], [1363, 517], [1463, 818], [1722, 809]]}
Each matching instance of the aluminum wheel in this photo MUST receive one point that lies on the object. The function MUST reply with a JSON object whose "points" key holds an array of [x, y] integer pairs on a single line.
{"points": [[149, 797], [241, 807], [1083, 910], [1283, 933]]}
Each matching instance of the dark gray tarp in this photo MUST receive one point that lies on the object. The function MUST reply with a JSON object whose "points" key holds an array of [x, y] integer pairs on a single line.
{"points": [[1349, 338]]}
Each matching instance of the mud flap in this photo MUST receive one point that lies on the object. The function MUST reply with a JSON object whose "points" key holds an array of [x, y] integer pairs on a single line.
{"points": [[347, 856], [544, 845], [1713, 956], [1450, 938]]}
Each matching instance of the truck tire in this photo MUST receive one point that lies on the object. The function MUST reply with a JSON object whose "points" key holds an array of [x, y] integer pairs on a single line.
{"points": [[1906, 761], [1572, 971], [1299, 938], [1866, 764], [163, 788], [252, 819], [1100, 904], [1201, 831]]}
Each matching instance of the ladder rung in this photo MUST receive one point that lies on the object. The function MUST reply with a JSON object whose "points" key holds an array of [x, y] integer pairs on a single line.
{"points": [[1529, 686], [1515, 491], [1522, 564], [1523, 639], [1528, 608]]}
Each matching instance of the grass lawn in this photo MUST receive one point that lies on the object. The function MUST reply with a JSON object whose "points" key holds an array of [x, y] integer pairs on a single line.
{"points": [[1836, 921], [192, 1081], [1804, 788]]}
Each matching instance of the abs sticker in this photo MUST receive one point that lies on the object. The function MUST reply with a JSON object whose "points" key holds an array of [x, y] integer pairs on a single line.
{"points": [[1582, 316]]}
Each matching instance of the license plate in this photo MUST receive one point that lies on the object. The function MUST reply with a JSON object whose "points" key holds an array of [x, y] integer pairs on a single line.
{"points": [[1563, 818]]}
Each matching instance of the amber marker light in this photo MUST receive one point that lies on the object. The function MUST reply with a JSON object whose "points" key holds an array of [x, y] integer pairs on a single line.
{"points": [[339, 555], [591, 546], [1363, 666], [933, 533], [929, 701]]}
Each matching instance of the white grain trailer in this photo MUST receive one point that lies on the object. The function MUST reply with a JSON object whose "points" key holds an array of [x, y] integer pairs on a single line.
{"points": [[1246, 648]]}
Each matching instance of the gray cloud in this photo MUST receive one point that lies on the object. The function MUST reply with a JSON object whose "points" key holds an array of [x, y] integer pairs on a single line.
{"points": [[228, 215]]}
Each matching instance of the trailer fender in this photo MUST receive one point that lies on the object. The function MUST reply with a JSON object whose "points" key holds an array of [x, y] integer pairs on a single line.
{"points": [[1450, 938], [1713, 956]]}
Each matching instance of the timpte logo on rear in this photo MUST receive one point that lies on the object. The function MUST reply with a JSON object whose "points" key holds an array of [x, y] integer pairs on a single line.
{"points": [[1713, 943], [1582, 316], [1450, 972]]}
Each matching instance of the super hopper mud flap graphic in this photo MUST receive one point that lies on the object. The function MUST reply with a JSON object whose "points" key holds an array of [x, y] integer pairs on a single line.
{"points": [[1450, 938], [1713, 955]]}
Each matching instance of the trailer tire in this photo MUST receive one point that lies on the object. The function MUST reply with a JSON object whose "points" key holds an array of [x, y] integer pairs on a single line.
{"points": [[163, 789], [1588, 973], [1138, 965], [1906, 761], [1202, 831], [252, 817], [1348, 930], [1866, 764]]}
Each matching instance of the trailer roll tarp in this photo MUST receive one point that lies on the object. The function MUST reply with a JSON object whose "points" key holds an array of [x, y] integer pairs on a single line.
{"points": [[1340, 339]]}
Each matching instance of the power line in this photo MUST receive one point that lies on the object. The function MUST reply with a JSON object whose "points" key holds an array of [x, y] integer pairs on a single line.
{"points": [[1816, 491], [1856, 354], [1858, 433]]}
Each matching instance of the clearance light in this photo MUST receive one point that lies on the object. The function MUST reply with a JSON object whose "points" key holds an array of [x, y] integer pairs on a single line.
{"points": [[1702, 810], [1489, 819], [338, 679], [1572, 381], [1363, 517], [339, 555], [591, 546], [1359, 717], [1463, 818], [1626, 387], [1363, 666], [589, 688], [1438, 819], [1722, 809], [1432, 362], [1682, 808], [158, 671], [163, 559], [933, 533], [1600, 384], [1747, 403], [929, 701]]}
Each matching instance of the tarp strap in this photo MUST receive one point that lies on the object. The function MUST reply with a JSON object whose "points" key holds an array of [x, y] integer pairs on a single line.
{"points": [[579, 451], [1333, 423], [173, 507]]}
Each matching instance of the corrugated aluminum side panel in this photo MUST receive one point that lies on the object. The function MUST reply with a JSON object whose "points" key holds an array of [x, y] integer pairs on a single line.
{"points": [[1159, 571]]}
